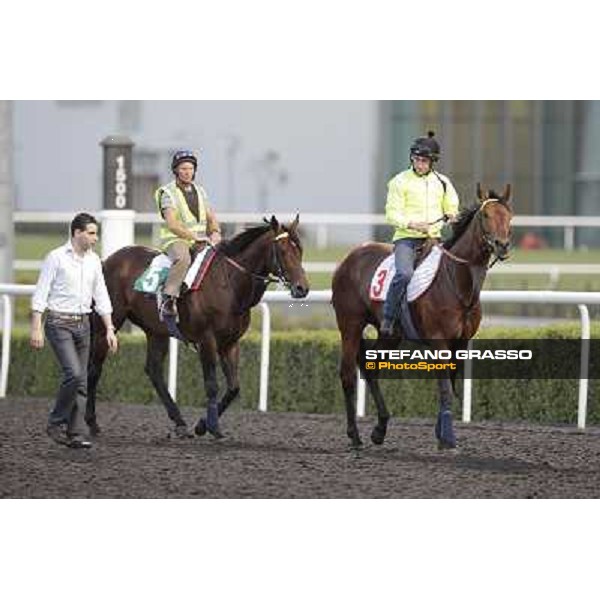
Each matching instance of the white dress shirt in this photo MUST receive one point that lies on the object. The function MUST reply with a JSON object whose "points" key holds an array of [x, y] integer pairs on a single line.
{"points": [[68, 283]]}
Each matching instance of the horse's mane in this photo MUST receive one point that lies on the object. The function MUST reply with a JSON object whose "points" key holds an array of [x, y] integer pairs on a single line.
{"points": [[242, 240], [464, 219]]}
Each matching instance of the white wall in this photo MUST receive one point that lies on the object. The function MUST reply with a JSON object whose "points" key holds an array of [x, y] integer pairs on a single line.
{"points": [[327, 149], [58, 158]]}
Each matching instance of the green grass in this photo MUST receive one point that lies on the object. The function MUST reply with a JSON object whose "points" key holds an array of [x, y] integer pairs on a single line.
{"points": [[35, 247], [555, 256], [337, 253]]}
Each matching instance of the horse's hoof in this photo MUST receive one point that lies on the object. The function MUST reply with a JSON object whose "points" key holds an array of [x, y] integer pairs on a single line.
{"points": [[216, 433], [94, 429], [357, 451], [378, 436], [355, 443], [182, 432], [200, 428], [446, 445], [444, 431]]}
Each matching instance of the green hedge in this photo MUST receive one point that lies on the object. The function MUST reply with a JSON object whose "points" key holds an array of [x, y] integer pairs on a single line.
{"points": [[304, 378]]}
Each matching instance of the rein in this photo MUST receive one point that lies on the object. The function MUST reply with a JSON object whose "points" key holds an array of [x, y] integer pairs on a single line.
{"points": [[279, 275], [476, 279], [455, 258], [486, 238]]}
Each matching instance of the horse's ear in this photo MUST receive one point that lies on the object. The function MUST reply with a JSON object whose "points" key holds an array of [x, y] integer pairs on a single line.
{"points": [[274, 223], [294, 224], [481, 193], [506, 194]]}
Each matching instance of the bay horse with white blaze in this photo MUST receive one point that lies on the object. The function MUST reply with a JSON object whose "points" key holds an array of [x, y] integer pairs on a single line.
{"points": [[213, 319], [447, 315]]}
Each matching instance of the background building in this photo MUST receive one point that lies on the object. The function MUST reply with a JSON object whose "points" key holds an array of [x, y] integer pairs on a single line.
{"points": [[322, 156], [548, 150]]}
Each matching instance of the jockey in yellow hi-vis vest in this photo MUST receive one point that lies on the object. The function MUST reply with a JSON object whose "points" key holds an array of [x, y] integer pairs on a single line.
{"points": [[418, 200], [188, 220]]}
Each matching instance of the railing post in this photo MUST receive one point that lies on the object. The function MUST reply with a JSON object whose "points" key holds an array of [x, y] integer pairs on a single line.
{"points": [[585, 358], [264, 357], [360, 395], [468, 387], [321, 236], [173, 354], [569, 237], [6, 335]]}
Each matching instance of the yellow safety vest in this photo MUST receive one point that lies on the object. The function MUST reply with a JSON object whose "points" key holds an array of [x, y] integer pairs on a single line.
{"points": [[182, 213], [414, 198]]}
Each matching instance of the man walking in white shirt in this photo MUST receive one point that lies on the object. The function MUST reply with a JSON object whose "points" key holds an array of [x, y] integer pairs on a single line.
{"points": [[71, 277]]}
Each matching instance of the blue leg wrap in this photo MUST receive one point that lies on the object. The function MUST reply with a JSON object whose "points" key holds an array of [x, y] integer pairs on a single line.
{"points": [[444, 431], [212, 415]]}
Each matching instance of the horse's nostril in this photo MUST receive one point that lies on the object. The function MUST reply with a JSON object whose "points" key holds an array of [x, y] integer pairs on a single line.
{"points": [[299, 291]]}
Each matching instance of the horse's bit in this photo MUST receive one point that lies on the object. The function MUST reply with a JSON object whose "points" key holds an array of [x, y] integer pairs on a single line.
{"points": [[280, 276]]}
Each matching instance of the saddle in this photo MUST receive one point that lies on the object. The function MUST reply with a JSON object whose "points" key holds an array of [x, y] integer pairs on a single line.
{"points": [[427, 261], [423, 249], [152, 280]]}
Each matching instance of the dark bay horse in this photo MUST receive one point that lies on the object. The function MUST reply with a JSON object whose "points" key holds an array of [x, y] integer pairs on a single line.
{"points": [[447, 314], [213, 318]]}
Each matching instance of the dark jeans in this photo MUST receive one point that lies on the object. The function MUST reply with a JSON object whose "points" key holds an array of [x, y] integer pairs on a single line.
{"points": [[404, 259], [70, 341]]}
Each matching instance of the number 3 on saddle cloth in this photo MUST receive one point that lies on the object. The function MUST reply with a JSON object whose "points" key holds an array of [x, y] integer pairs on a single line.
{"points": [[153, 279], [420, 282]]}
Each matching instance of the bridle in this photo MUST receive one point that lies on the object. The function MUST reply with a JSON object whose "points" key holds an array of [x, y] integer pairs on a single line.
{"points": [[276, 266], [487, 237], [476, 280]]}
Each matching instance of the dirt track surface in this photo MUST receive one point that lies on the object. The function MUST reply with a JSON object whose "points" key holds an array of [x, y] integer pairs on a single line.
{"points": [[279, 455]]}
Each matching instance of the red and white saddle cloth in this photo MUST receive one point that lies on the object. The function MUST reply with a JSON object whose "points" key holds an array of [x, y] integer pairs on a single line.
{"points": [[421, 280]]}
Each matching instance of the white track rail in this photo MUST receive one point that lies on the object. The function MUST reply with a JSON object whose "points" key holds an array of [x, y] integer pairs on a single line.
{"points": [[579, 299]]}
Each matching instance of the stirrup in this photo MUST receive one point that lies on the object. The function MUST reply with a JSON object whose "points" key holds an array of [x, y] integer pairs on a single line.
{"points": [[168, 308], [387, 328]]}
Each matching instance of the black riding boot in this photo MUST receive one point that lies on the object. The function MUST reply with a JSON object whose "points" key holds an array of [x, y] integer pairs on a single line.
{"points": [[393, 305]]}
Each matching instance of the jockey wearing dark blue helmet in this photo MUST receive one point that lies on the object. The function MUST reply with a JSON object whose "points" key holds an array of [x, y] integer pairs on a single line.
{"points": [[187, 220]]}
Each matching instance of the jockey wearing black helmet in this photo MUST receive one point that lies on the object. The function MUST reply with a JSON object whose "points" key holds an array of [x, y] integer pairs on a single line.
{"points": [[182, 156], [427, 147], [418, 200], [188, 220]]}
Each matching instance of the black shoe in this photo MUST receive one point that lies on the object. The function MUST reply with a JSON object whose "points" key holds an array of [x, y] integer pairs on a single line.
{"points": [[387, 328], [78, 441], [58, 433]]}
